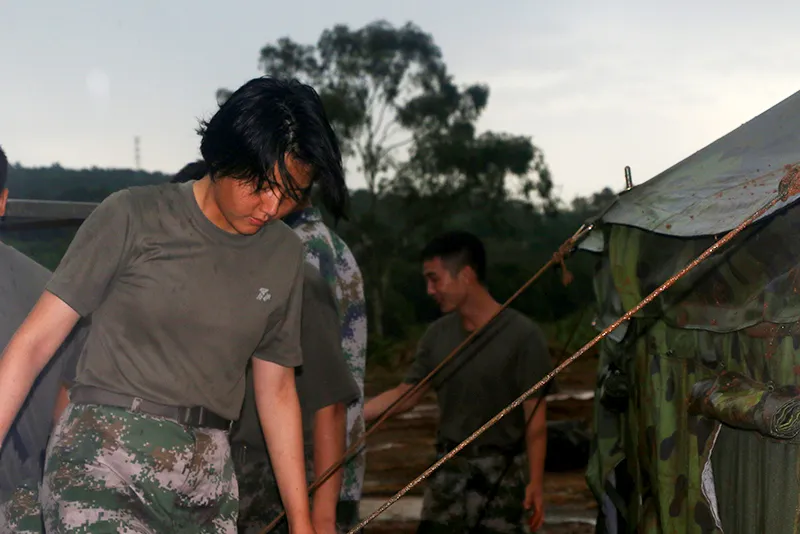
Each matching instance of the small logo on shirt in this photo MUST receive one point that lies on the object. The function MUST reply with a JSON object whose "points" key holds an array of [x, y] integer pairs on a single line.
{"points": [[263, 295]]}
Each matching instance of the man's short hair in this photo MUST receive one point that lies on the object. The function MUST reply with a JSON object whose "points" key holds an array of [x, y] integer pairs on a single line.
{"points": [[266, 120], [3, 169], [458, 249], [190, 172]]}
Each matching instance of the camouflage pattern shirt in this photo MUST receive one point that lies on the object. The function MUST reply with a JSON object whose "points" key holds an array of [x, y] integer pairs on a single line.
{"points": [[327, 252]]}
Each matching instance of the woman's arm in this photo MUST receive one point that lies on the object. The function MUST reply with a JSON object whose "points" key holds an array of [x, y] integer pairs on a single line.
{"points": [[31, 347], [279, 413], [330, 440]]}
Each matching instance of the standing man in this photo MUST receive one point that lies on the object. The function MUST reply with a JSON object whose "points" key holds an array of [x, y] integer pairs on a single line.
{"points": [[22, 280], [489, 484]]}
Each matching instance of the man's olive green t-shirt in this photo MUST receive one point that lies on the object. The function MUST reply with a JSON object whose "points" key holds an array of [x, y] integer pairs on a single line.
{"points": [[500, 364], [323, 379], [178, 305]]}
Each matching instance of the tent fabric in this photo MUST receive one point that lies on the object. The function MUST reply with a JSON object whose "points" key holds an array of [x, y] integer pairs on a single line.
{"points": [[608, 449], [754, 280], [743, 403], [726, 467], [662, 448], [756, 483], [716, 188], [744, 315]]}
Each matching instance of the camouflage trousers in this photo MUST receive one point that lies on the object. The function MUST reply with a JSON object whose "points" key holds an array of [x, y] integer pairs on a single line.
{"points": [[463, 496], [21, 512], [111, 470], [260, 501], [259, 498]]}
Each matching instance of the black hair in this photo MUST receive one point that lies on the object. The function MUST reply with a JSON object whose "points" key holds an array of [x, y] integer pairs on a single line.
{"points": [[263, 122], [190, 172], [3, 169], [458, 249]]}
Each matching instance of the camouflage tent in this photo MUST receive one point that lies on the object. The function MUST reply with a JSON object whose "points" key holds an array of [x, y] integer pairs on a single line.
{"points": [[697, 411]]}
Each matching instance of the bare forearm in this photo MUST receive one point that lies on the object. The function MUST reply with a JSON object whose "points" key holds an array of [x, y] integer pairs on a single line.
{"points": [[279, 413], [32, 346], [16, 379], [536, 440], [380, 403], [329, 446]]}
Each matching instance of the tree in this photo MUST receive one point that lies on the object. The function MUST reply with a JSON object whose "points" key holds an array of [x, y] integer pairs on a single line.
{"points": [[594, 205], [410, 131]]}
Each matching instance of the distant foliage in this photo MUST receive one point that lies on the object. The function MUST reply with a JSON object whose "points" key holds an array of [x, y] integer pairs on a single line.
{"points": [[58, 183], [410, 130]]}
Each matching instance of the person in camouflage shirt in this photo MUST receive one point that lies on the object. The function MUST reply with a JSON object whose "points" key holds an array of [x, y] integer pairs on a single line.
{"points": [[330, 254]]}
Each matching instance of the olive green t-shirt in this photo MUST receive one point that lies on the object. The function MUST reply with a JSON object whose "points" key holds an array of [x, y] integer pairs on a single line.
{"points": [[500, 364], [178, 305], [323, 379]]}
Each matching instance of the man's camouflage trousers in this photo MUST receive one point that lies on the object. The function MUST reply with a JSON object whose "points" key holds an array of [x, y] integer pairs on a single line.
{"points": [[111, 470], [476, 495], [260, 501], [21, 512]]}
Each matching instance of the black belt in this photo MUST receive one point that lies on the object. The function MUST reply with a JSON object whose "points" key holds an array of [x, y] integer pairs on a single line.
{"points": [[196, 416]]}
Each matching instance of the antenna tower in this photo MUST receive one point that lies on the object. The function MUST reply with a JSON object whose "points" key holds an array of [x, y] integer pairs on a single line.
{"points": [[137, 155]]}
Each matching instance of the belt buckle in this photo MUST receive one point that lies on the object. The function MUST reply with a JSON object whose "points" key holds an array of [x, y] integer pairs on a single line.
{"points": [[201, 416], [185, 416]]}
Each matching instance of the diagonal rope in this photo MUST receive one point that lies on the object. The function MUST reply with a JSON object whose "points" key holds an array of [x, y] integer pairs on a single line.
{"points": [[557, 259], [789, 186]]}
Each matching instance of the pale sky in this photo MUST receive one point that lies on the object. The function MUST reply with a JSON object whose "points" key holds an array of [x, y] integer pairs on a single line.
{"points": [[598, 84]]}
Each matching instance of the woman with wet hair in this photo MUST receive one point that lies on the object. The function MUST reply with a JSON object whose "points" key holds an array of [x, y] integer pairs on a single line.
{"points": [[185, 284]]}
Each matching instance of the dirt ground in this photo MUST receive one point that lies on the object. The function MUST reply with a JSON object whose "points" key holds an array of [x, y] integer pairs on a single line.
{"points": [[403, 447], [404, 527]]}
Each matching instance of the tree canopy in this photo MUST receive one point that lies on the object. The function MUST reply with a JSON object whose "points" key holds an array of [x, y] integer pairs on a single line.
{"points": [[409, 130]]}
